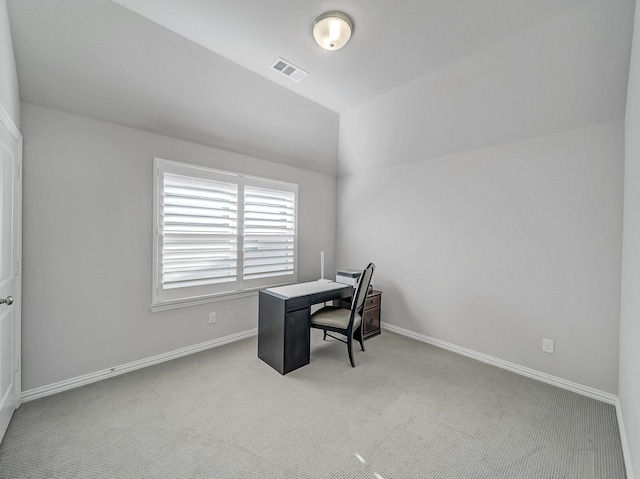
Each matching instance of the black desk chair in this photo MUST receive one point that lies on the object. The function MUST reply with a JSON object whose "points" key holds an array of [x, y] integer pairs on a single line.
{"points": [[347, 322]]}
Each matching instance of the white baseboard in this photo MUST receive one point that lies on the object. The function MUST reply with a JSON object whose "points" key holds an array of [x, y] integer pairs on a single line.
{"points": [[531, 373], [54, 388], [626, 452]]}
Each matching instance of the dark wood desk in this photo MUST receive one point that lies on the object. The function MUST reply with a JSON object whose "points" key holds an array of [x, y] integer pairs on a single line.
{"points": [[283, 321]]}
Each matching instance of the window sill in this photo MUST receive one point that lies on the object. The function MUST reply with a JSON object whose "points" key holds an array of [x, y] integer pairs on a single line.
{"points": [[183, 303]]}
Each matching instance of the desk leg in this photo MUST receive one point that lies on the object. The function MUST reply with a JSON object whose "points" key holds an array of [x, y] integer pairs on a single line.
{"points": [[297, 342], [283, 338], [270, 331]]}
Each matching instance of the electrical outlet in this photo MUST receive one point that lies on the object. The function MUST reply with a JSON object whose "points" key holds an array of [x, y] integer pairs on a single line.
{"points": [[212, 318], [548, 345]]}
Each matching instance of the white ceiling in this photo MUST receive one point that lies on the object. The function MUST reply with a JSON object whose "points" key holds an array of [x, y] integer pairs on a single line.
{"points": [[99, 60], [394, 42], [199, 70]]}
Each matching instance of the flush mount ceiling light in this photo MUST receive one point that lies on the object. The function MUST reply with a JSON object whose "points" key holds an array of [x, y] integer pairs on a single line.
{"points": [[332, 30]]}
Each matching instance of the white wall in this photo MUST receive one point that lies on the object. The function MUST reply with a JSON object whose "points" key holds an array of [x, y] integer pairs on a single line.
{"points": [[629, 392], [9, 99], [494, 249], [489, 194], [87, 245]]}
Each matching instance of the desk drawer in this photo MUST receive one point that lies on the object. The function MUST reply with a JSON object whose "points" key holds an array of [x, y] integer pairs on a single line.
{"points": [[371, 321], [372, 301]]}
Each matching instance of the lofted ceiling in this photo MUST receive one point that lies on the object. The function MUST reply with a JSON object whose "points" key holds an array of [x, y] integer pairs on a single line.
{"points": [[199, 70], [394, 42]]}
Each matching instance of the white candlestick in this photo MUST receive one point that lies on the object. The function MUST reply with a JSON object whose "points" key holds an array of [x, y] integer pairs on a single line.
{"points": [[322, 269]]}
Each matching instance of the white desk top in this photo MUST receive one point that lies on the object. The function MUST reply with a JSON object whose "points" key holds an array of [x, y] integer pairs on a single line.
{"points": [[303, 289]]}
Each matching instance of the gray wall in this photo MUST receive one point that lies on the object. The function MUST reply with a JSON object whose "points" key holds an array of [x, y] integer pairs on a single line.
{"points": [[489, 194], [87, 245], [9, 98], [630, 315], [495, 249]]}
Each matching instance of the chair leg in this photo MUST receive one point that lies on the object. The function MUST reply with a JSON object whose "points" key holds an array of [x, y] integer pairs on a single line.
{"points": [[324, 338], [358, 335], [350, 349]]}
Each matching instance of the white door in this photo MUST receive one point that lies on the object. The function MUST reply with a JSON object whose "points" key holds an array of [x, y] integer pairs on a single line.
{"points": [[10, 250]]}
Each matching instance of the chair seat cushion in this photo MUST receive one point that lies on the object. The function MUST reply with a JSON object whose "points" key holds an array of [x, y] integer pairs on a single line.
{"points": [[334, 317]]}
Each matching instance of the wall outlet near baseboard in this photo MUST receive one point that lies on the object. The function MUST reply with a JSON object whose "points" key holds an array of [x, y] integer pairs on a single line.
{"points": [[212, 318], [548, 345]]}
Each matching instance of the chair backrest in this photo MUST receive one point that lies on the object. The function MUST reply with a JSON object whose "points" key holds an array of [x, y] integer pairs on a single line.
{"points": [[362, 289]]}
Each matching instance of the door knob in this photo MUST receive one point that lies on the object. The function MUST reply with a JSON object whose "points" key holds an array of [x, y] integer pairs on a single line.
{"points": [[8, 300]]}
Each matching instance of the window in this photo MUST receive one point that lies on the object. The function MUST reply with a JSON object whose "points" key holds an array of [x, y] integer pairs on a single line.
{"points": [[219, 234]]}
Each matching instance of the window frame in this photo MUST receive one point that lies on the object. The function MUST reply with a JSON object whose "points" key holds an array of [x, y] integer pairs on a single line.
{"points": [[160, 299]]}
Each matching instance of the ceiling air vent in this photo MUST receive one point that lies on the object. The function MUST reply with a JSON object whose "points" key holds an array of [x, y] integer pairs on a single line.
{"points": [[289, 70]]}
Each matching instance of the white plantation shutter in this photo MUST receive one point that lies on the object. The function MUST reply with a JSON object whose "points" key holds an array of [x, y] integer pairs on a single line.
{"points": [[200, 230], [269, 233], [219, 233]]}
